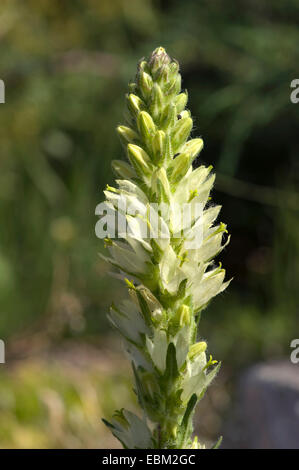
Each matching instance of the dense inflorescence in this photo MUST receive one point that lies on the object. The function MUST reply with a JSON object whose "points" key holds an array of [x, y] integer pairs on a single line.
{"points": [[170, 279]]}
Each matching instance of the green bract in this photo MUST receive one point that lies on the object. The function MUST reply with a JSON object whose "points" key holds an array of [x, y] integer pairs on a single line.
{"points": [[169, 279]]}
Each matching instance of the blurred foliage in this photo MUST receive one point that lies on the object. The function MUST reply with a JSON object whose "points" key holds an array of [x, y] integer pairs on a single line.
{"points": [[59, 404], [66, 66]]}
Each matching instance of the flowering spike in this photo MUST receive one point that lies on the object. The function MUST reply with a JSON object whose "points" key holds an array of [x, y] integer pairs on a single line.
{"points": [[167, 255]]}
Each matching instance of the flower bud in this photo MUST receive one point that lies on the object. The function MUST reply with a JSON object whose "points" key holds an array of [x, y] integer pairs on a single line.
{"points": [[181, 101], [174, 67], [162, 76], [181, 317], [169, 116], [157, 102], [135, 104], [143, 66], [158, 58], [161, 185], [145, 84], [179, 167], [175, 87], [181, 132], [146, 125], [139, 158], [122, 169], [132, 87], [178, 84], [193, 147], [127, 135], [184, 315], [159, 146], [196, 349], [185, 113], [154, 306]]}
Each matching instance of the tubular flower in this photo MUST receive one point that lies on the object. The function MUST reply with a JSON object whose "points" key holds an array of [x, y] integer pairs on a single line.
{"points": [[162, 238]]}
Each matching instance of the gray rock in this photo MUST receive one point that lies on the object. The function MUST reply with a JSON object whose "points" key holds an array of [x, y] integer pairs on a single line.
{"points": [[266, 415]]}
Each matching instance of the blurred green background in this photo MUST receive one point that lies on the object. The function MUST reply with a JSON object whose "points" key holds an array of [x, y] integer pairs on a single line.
{"points": [[66, 66]]}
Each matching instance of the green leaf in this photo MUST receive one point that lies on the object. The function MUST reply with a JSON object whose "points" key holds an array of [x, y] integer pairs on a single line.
{"points": [[171, 371], [186, 426]]}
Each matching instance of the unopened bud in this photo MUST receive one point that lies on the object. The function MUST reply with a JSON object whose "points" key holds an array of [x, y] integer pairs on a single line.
{"points": [[162, 76], [132, 87], [179, 167], [122, 169], [156, 102], [135, 104], [143, 66], [174, 67], [139, 158], [193, 147], [146, 125], [127, 135], [169, 116], [178, 84], [181, 101], [154, 306], [184, 114], [158, 58], [145, 84], [182, 316], [159, 146], [175, 86], [181, 132], [196, 349], [160, 183], [185, 315]]}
